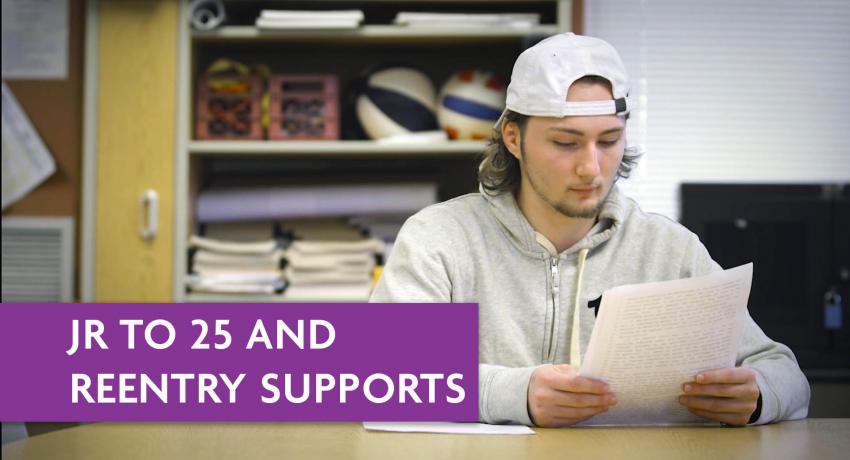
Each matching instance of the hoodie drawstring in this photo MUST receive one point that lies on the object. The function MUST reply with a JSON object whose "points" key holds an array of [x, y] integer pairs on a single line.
{"points": [[575, 342]]}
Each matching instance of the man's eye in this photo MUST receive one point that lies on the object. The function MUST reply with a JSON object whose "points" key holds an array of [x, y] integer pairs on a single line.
{"points": [[565, 145]]}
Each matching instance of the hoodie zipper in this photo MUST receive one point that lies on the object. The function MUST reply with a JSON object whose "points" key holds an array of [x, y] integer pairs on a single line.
{"points": [[556, 284]]}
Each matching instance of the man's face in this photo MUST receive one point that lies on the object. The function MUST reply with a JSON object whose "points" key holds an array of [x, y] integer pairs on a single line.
{"points": [[570, 163]]}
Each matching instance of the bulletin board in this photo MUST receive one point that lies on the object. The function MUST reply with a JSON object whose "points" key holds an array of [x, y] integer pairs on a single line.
{"points": [[55, 108]]}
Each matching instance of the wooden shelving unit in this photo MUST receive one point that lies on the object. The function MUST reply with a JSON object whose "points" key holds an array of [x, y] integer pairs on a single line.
{"points": [[438, 50]]}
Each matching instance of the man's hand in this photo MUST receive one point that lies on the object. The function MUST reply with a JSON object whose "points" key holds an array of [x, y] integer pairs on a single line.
{"points": [[725, 395], [558, 396]]}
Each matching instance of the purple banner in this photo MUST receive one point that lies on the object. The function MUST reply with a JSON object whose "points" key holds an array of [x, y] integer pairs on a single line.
{"points": [[239, 362]]}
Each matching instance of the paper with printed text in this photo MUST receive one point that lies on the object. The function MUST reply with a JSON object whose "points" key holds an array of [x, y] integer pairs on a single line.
{"points": [[649, 339]]}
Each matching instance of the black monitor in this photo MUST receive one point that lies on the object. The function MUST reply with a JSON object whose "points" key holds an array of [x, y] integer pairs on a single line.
{"points": [[798, 237]]}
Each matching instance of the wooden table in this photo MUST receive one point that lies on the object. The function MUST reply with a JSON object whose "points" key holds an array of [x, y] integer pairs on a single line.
{"points": [[814, 438]]}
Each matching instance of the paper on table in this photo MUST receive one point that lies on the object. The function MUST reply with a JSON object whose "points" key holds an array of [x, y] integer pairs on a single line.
{"points": [[649, 339], [26, 160], [447, 427]]}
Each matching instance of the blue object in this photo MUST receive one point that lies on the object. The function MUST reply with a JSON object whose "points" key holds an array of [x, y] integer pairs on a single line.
{"points": [[832, 314]]}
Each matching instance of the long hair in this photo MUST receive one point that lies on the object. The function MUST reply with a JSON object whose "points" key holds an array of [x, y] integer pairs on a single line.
{"points": [[499, 170]]}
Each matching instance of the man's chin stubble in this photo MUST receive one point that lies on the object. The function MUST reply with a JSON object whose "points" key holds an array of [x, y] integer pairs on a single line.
{"points": [[579, 214]]}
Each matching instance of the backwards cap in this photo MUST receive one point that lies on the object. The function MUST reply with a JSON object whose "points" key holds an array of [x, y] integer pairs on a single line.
{"points": [[543, 74]]}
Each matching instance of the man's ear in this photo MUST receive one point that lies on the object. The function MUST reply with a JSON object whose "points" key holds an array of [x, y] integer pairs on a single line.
{"points": [[511, 138]]}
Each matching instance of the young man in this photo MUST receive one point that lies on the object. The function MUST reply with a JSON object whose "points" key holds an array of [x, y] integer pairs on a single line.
{"points": [[550, 232]]}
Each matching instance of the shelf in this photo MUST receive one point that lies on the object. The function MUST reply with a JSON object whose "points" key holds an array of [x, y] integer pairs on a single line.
{"points": [[373, 32], [349, 53], [313, 148]]}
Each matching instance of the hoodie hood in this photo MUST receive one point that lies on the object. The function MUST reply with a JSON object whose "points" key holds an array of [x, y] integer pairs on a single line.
{"points": [[515, 225]]}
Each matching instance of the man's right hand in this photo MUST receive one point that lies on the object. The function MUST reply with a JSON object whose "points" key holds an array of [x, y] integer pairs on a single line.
{"points": [[558, 396]]}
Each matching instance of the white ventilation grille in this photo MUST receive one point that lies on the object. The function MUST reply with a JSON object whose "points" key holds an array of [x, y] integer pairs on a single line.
{"points": [[38, 259]]}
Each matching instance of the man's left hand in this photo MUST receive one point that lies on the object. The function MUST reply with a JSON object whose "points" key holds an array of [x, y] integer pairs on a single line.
{"points": [[727, 395]]}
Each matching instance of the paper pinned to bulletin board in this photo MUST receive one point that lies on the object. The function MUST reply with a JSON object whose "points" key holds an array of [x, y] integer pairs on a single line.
{"points": [[35, 39], [26, 160]]}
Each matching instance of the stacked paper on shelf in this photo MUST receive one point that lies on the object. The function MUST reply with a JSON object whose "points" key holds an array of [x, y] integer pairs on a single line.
{"points": [[243, 267], [384, 228], [322, 229], [298, 19], [251, 231], [234, 247], [235, 284], [329, 260], [292, 202], [213, 262], [518, 20], [341, 292]]}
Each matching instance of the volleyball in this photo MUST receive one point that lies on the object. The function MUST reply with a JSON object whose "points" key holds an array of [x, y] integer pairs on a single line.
{"points": [[397, 101], [469, 104]]}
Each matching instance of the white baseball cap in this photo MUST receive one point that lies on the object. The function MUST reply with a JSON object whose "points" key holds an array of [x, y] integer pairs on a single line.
{"points": [[543, 74]]}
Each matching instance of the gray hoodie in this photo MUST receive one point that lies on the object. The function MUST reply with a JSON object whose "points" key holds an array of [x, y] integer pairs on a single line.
{"points": [[481, 249]]}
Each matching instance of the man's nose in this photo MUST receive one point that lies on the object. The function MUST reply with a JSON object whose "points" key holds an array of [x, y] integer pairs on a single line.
{"points": [[588, 161]]}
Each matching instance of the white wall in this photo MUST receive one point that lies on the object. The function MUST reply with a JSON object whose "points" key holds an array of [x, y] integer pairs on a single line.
{"points": [[732, 91]]}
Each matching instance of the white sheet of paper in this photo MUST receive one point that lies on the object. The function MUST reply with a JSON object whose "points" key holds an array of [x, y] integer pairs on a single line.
{"points": [[35, 39], [447, 427], [649, 339], [26, 160]]}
